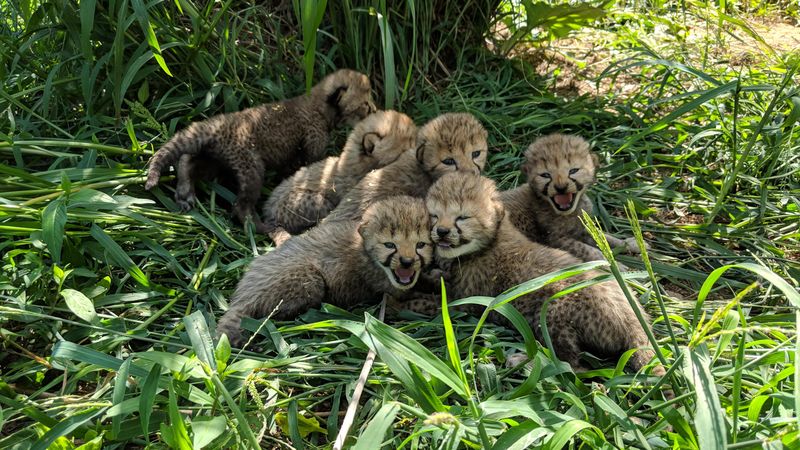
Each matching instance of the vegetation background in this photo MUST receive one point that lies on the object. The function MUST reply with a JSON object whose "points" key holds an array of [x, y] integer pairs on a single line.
{"points": [[108, 297]]}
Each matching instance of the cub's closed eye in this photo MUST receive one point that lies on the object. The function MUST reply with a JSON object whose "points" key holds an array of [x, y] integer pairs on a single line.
{"points": [[433, 217], [459, 218], [421, 244], [544, 175], [449, 162], [574, 170], [476, 153], [389, 245]]}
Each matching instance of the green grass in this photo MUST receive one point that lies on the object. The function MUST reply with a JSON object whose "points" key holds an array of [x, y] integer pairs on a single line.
{"points": [[108, 296]]}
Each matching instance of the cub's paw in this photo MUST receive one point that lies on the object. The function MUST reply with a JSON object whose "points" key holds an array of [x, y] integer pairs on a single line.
{"points": [[234, 336], [185, 202], [517, 359], [279, 236], [632, 247]]}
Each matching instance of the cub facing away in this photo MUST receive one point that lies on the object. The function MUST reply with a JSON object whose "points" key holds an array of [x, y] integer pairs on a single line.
{"points": [[301, 201], [486, 256], [282, 136], [452, 142], [343, 263], [547, 209]]}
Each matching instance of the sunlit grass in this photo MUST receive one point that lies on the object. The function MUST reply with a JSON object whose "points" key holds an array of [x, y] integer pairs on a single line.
{"points": [[108, 296]]}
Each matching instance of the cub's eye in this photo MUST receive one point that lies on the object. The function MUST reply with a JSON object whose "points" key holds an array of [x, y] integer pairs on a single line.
{"points": [[421, 245], [389, 245], [449, 162], [574, 170], [476, 153], [459, 218], [545, 175]]}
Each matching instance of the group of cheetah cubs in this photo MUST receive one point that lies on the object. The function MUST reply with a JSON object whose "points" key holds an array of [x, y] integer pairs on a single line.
{"points": [[400, 203]]}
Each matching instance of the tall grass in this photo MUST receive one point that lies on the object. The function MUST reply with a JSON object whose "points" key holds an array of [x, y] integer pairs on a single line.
{"points": [[108, 297]]}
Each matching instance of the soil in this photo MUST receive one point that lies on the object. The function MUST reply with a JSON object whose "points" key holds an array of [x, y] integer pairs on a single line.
{"points": [[578, 64]]}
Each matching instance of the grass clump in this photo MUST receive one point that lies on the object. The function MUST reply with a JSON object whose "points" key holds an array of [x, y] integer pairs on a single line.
{"points": [[108, 297]]}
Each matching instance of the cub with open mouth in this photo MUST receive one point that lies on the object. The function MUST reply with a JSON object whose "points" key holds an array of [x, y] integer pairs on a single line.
{"points": [[547, 209], [487, 255], [343, 263]]}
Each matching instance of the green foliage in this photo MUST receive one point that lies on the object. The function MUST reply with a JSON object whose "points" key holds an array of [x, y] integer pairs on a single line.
{"points": [[108, 296]]}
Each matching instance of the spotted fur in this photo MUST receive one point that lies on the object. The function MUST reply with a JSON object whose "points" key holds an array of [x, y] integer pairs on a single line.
{"points": [[558, 167], [449, 143], [487, 256], [343, 263], [300, 202], [281, 136]]}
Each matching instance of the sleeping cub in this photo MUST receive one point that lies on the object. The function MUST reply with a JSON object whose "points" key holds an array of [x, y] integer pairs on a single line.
{"points": [[300, 202]]}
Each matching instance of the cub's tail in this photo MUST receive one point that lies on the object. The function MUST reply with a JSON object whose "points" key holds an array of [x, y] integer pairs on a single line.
{"points": [[188, 141]]}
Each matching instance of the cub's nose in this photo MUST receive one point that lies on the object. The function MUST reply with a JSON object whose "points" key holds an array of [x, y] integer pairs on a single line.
{"points": [[561, 189], [406, 262], [442, 231]]}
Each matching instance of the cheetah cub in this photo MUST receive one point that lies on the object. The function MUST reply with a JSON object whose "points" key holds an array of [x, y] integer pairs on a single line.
{"points": [[547, 209], [301, 201], [281, 136], [488, 256], [450, 142], [343, 263]]}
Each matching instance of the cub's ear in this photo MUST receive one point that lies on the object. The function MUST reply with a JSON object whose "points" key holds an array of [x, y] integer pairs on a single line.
{"points": [[362, 228], [595, 160], [336, 96], [368, 143], [421, 151]]}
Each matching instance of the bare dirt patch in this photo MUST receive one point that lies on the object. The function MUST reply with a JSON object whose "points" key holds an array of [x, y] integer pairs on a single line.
{"points": [[584, 63]]}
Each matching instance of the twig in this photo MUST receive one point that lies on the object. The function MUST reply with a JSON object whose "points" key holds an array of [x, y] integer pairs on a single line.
{"points": [[362, 380]]}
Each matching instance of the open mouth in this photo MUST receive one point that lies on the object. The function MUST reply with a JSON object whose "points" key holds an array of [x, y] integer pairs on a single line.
{"points": [[563, 202], [404, 276]]}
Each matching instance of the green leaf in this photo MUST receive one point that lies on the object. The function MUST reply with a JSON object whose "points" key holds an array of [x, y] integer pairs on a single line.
{"points": [[567, 431], [54, 217], [87, 8], [794, 114], [414, 352], [144, 20], [223, 351], [387, 46], [452, 343], [72, 351], [293, 425], [708, 414], [790, 292], [118, 255], [205, 429], [202, 343], [80, 305], [120, 382], [94, 444], [375, 433], [65, 427], [147, 397], [730, 322], [180, 437], [522, 436], [174, 363], [305, 425]]}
